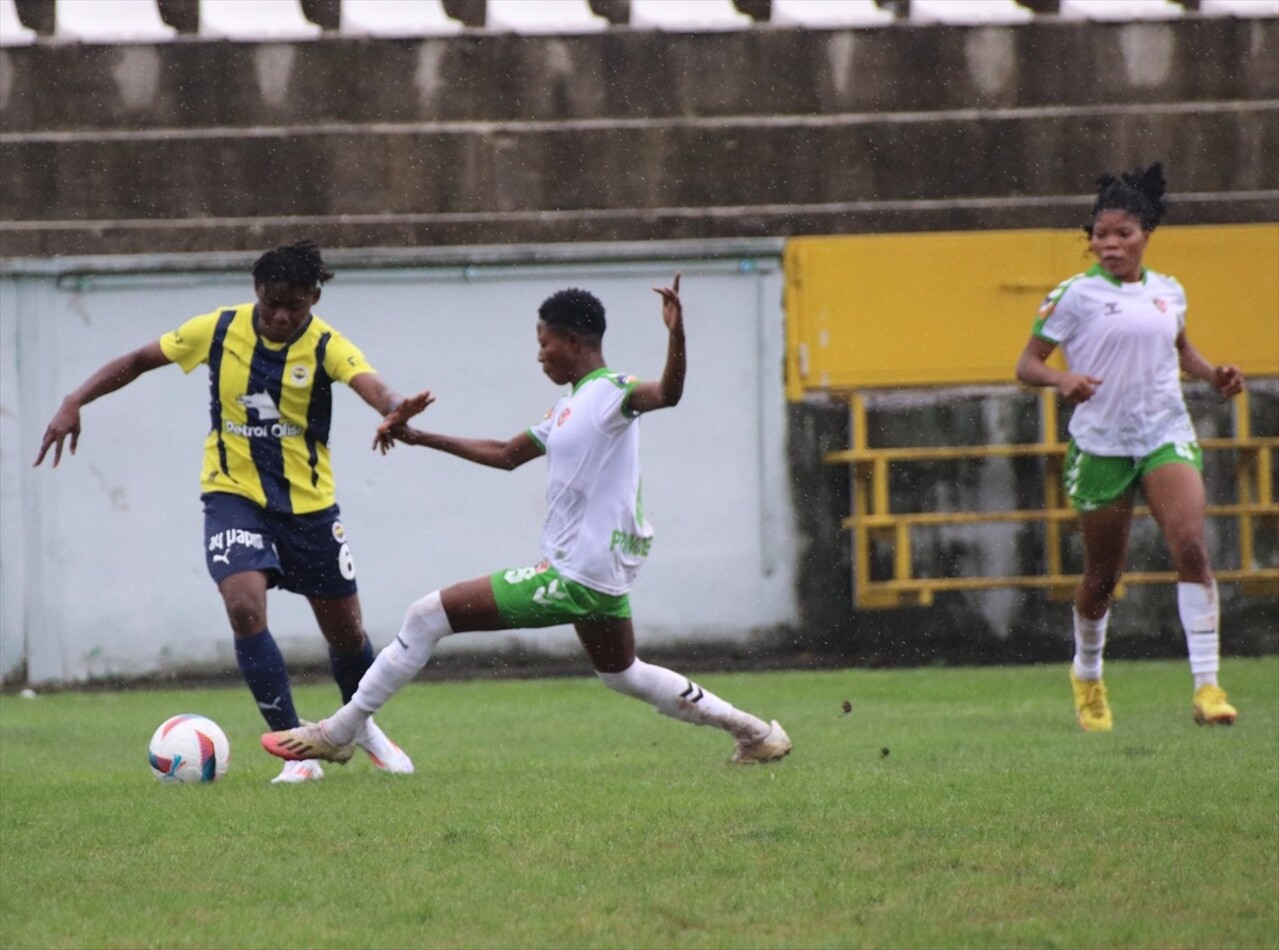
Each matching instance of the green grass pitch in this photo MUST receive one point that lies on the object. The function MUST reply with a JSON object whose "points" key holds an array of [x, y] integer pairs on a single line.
{"points": [[948, 808]]}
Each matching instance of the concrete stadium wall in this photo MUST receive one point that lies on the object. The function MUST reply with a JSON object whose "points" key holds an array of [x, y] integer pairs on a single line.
{"points": [[102, 572], [485, 139], [494, 150]]}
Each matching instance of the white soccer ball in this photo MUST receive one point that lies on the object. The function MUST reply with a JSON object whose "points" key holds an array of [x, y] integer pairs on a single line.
{"points": [[188, 749]]}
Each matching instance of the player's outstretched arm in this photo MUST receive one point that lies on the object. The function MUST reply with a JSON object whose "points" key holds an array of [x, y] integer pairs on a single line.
{"points": [[396, 410], [494, 453], [114, 375], [668, 390]]}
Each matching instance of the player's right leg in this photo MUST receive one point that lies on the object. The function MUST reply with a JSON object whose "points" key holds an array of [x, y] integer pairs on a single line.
{"points": [[240, 556], [1101, 490], [610, 644]]}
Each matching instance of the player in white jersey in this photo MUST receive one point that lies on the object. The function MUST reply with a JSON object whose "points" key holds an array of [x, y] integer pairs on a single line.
{"points": [[594, 539], [1122, 328]]}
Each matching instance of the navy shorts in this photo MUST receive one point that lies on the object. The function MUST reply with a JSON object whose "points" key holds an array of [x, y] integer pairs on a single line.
{"points": [[306, 554]]}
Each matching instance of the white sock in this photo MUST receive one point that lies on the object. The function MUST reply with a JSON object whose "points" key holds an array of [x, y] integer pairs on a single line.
{"points": [[680, 698], [1090, 645], [1200, 617], [424, 626]]}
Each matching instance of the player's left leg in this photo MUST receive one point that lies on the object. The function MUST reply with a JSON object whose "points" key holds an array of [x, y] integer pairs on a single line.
{"points": [[1175, 492], [350, 657], [316, 562], [610, 644], [469, 605]]}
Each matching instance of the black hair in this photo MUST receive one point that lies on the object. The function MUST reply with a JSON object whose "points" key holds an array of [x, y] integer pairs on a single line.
{"points": [[1139, 192], [297, 264], [573, 310]]}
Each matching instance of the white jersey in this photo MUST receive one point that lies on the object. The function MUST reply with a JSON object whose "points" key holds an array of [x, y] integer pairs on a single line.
{"points": [[1126, 335], [595, 532]]}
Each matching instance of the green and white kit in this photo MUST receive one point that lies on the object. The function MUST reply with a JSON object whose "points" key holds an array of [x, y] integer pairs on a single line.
{"points": [[595, 533], [1095, 481], [1126, 335]]}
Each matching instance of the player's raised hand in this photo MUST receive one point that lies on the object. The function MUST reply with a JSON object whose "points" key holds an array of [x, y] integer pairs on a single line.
{"points": [[384, 439], [672, 309], [65, 422], [1228, 380]]}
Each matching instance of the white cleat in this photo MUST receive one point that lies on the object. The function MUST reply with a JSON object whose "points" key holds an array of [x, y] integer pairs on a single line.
{"points": [[302, 771], [385, 754], [770, 748]]}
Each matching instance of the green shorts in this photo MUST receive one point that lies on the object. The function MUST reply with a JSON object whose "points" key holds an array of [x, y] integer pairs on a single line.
{"points": [[539, 597], [1095, 481]]}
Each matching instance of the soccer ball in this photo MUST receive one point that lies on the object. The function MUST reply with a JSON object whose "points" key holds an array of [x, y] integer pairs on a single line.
{"points": [[188, 749]]}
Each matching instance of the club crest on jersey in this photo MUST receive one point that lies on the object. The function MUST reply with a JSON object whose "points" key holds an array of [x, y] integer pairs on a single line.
{"points": [[339, 532], [568, 411], [1161, 304], [299, 375]]}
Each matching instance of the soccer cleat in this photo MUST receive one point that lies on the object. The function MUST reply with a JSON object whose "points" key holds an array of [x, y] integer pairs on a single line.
{"points": [[294, 772], [306, 741], [384, 753], [1211, 707], [1091, 709], [770, 748]]}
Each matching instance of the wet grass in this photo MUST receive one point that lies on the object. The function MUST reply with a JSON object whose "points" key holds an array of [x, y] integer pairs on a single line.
{"points": [[948, 808]]}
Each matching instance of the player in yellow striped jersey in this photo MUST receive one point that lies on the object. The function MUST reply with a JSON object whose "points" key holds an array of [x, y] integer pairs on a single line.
{"points": [[270, 514]]}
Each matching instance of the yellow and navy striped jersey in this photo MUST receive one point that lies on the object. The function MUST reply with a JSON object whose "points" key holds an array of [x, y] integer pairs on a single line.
{"points": [[270, 405]]}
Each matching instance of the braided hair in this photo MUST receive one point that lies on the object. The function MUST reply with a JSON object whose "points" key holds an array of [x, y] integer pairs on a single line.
{"points": [[1139, 192], [574, 311], [298, 265]]}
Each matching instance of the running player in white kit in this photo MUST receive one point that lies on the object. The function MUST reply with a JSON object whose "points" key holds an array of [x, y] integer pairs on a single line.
{"points": [[1122, 328], [594, 539]]}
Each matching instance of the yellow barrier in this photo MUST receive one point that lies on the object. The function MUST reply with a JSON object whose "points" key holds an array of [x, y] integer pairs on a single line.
{"points": [[949, 309], [872, 520], [867, 312]]}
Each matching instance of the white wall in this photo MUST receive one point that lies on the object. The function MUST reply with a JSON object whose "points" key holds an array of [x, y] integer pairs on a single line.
{"points": [[102, 569]]}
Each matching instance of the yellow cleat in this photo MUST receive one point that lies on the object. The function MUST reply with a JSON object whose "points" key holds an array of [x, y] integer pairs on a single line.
{"points": [[1091, 709], [1211, 707]]}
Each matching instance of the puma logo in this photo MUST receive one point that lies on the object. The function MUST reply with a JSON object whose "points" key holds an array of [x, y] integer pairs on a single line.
{"points": [[273, 706]]}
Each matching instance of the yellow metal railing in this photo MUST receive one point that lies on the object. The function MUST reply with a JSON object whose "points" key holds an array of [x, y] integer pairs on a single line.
{"points": [[872, 521]]}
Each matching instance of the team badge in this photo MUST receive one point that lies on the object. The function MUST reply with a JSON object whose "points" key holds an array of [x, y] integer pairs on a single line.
{"points": [[1161, 304], [339, 532], [1050, 302], [299, 374], [564, 416]]}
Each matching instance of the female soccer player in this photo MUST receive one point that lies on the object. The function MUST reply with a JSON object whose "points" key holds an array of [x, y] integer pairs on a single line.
{"points": [[594, 539], [1123, 330], [270, 516]]}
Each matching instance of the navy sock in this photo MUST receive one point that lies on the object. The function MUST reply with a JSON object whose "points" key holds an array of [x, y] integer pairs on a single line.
{"points": [[349, 668], [263, 669]]}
